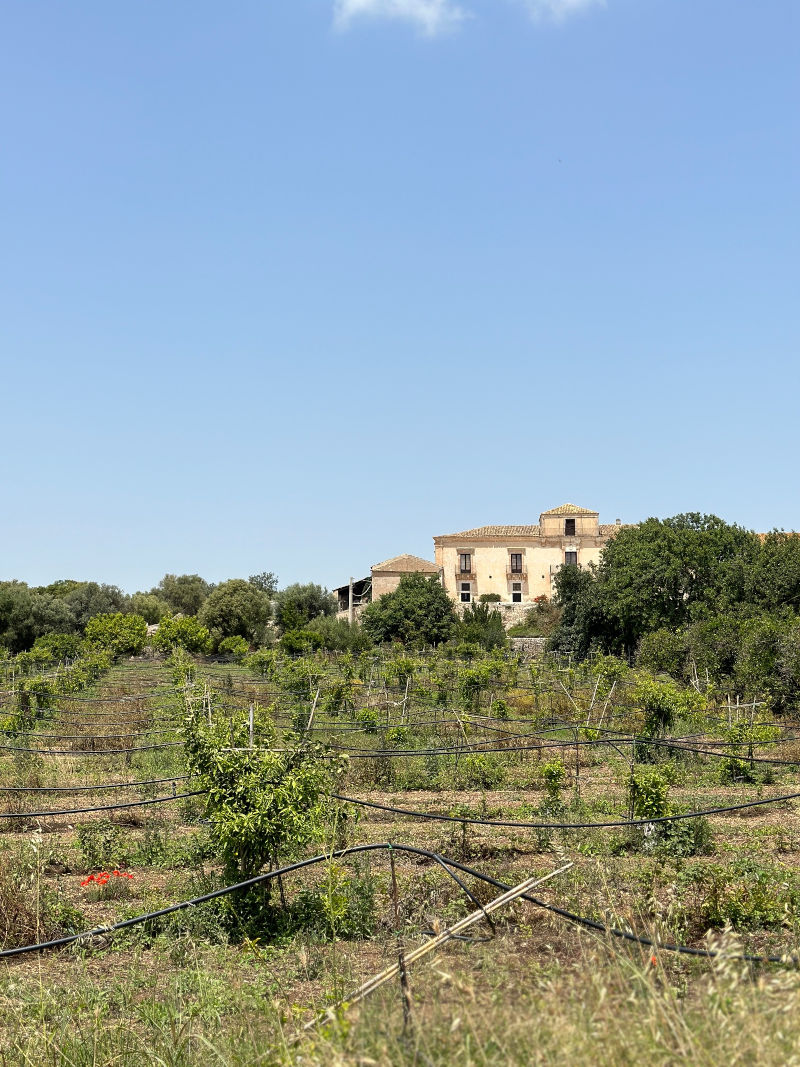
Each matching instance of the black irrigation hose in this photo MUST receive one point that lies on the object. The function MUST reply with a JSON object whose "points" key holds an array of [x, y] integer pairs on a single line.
{"points": [[627, 935], [481, 747], [84, 737], [89, 751], [103, 807], [98, 931], [565, 825], [101, 786]]}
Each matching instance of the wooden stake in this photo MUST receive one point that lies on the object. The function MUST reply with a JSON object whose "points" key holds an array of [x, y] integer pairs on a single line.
{"points": [[405, 992], [432, 943]]}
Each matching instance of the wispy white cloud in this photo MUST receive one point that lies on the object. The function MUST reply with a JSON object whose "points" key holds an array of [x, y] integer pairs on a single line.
{"points": [[429, 16], [558, 10]]}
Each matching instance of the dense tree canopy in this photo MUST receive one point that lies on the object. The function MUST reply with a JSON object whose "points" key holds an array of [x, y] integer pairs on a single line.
{"points": [[121, 635], [236, 608], [668, 572], [266, 581], [26, 614], [297, 605], [703, 600], [88, 599], [184, 593], [152, 608], [419, 611]]}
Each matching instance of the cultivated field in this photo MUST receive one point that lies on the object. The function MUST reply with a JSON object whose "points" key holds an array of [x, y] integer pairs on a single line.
{"points": [[525, 770]]}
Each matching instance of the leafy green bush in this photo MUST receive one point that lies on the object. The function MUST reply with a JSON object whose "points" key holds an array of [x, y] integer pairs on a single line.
{"points": [[264, 804], [58, 647], [480, 772], [103, 844], [648, 794], [482, 625], [418, 612], [663, 652], [121, 635], [299, 642], [745, 893], [185, 632], [553, 775], [342, 907], [233, 646]]}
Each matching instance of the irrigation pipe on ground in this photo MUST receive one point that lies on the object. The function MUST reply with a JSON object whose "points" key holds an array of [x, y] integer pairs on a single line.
{"points": [[449, 934]]}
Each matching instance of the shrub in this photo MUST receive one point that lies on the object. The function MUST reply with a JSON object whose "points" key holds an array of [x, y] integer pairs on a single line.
{"points": [[418, 612], [102, 844], [648, 793], [58, 647], [263, 804], [121, 635], [553, 775], [745, 893], [234, 646], [341, 907], [184, 632], [299, 642], [481, 772], [663, 652], [483, 626]]}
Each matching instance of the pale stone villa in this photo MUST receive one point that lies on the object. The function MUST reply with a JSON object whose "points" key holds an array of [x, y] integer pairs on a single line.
{"points": [[516, 563]]}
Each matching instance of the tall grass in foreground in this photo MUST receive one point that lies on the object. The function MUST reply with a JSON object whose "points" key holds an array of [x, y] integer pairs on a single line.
{"points": [[603, 1007]]}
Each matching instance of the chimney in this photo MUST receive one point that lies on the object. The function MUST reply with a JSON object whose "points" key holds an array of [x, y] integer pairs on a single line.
{"points": [[619, 522]]}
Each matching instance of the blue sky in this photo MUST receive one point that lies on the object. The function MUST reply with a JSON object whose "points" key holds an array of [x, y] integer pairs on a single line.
{"points": [[296, 285]]}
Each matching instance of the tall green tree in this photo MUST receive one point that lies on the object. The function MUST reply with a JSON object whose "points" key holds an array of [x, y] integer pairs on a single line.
{"points": [[297, 605], [266, 581], [26, 615], [236, 609], [582, 623], [88, 599], [419, 611], [184, 593], [152, 608], [670, 572]]}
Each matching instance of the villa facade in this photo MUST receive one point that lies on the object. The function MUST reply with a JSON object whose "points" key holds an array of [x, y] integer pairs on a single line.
{"points": [[515, 563], [519, 563]]}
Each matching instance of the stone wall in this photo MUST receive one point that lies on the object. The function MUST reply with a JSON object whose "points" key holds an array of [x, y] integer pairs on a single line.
{"points": [[530, 647], [511, 614]]}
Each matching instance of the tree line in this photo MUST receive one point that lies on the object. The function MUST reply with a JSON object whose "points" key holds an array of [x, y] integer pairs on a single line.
{"points": [[693, 596], [246, 608]]}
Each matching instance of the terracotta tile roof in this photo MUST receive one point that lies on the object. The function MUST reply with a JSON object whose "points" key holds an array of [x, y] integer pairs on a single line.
{"points": [[610, 529], [569, 509], [496, 531], [406, 564]]}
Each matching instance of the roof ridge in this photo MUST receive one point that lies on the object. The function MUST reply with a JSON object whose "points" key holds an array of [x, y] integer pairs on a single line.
{"points": [[569, 509]]}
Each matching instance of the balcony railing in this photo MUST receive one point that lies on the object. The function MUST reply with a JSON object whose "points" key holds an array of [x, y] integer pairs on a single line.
{"points": [[466, 576], [517, 576]]}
